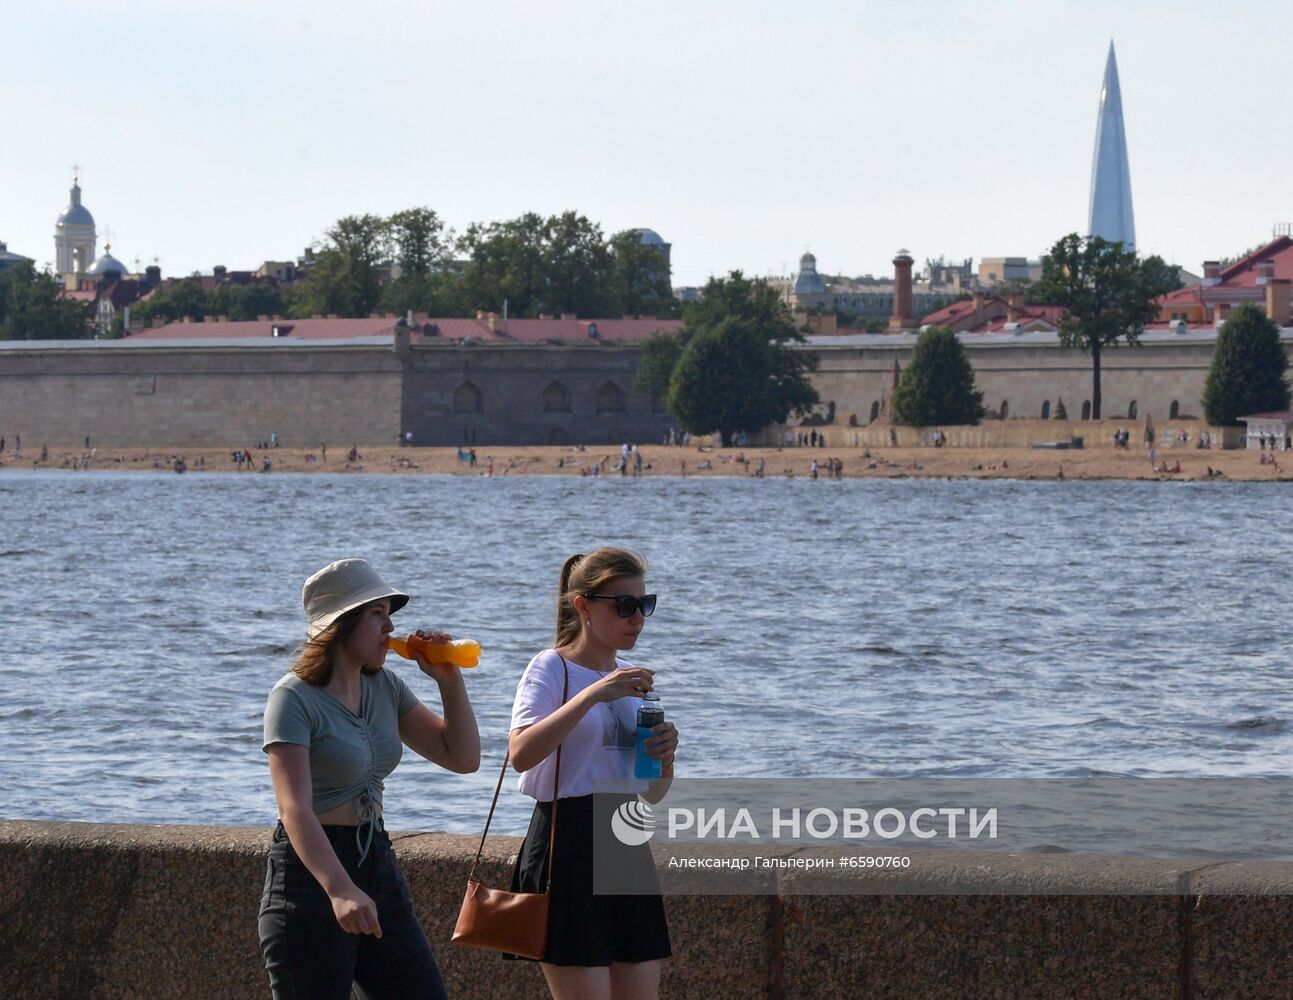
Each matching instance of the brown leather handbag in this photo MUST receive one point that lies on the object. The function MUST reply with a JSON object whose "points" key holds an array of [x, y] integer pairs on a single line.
{"points": [[501, 920]]}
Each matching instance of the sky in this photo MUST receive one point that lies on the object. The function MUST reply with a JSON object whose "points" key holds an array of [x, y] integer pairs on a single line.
{"points": [[745, 134]]}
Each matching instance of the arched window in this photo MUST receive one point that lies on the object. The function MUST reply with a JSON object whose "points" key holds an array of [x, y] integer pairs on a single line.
{"points": [[1004, 412], [556, 399], [467, 399], [1046, 410], [1131, 411], [1086, 409], [610, 399], [875, 412], [1175, 411]]}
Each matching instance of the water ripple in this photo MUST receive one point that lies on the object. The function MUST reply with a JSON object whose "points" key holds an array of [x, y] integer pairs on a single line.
{"points": [[889, 627]]}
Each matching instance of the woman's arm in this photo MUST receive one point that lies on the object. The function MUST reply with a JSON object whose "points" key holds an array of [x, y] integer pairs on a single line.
{"points": [[289, 770], [529, 745], [452, 742]]}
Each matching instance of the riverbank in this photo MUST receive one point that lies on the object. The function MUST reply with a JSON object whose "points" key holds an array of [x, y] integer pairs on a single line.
{"points": [[882, 463]]}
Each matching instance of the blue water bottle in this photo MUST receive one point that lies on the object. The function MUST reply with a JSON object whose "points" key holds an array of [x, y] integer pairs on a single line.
{"points": [[650, 715]]}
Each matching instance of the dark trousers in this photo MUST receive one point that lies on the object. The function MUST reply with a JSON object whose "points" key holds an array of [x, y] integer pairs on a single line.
{"points": [[308, 954]]}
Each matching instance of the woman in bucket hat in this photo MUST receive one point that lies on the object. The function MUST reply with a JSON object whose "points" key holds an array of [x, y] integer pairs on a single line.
{"points": [[336, 909]]}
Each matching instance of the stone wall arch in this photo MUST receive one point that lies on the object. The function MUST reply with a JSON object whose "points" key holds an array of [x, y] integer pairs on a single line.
{"points": [[610, 399], [556, 398], [467, 398]]}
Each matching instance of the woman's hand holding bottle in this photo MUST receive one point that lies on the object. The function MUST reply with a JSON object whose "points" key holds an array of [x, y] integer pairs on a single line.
{"points": [[623, 682], [438, 654]]}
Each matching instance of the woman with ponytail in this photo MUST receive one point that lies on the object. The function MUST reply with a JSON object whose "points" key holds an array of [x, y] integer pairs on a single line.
{"points": [[582, 697]]}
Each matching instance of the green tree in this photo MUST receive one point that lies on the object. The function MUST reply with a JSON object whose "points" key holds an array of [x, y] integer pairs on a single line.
{"points": [[642, 278], [578, 268], [537, 265], [1108, 293], [32, 307], [657, 361], [244, 303], [174, 302], [1247, 372], [346, 277], [938, 384], [737, 371], [419, 241], [504, 263]]}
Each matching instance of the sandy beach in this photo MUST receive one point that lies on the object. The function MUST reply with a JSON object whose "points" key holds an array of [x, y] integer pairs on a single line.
{"points": [[502, 460]]}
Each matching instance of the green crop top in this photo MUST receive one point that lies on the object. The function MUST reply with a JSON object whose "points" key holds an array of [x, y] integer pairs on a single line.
{"points": [[350, 755]]}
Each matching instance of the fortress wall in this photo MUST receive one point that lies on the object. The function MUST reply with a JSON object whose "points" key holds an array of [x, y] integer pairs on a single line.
{"points": [[199, 396], [195, 395], [140, 394], [512, 380], [1153, 376], [90, 911]]}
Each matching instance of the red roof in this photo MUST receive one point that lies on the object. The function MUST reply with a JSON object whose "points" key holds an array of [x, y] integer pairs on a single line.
{"points": [[533, 331], [1244, 271], [998, 310], [299, 329]]}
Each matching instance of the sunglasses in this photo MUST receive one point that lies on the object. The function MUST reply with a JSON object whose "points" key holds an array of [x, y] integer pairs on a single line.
{"points": [[626, 604]]}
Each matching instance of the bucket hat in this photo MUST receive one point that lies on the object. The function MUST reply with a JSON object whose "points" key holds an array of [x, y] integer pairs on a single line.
{"points": [[343, 586]]}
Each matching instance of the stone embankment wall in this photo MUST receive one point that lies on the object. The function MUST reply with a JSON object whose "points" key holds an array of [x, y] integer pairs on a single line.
{"points": [[132, 912]]}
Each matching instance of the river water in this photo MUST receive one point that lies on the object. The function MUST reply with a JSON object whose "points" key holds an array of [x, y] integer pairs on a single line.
{"points": [[856, 628]]}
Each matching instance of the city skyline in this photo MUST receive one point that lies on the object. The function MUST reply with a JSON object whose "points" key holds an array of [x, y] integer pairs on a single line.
{"points": [[742, 139]]}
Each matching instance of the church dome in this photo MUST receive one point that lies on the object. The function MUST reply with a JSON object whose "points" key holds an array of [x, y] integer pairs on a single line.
{"points": [[808, 281], [105, 265], [649, 237], [76, 214]]}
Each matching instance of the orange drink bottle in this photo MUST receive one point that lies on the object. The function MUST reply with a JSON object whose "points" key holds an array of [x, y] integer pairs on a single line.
{"points": [[459, 652]]}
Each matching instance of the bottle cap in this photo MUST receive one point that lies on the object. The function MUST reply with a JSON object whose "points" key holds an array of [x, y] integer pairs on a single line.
{"points": [[650, 696]]}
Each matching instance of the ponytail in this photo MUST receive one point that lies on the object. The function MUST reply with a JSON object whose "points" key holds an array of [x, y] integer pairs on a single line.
{"points": [[581, 574], [567, 616]]}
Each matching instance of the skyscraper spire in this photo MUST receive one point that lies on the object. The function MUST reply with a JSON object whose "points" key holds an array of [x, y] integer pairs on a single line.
{"points": [[1111, 215]]}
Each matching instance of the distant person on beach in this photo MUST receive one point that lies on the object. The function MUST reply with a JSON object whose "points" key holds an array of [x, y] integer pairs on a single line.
{"points": [[336, 909], [582, 697]]}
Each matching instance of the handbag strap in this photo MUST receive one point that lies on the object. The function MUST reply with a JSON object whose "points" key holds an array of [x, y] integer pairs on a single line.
{"points": [[556, 785]]}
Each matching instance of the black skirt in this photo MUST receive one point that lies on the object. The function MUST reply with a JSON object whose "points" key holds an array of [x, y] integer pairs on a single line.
{"points": [[586, 929]]}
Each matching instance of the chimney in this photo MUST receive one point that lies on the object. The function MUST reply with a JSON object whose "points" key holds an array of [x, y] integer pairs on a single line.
{"points": [[902, 318], [1265, 271], [1211, 272], [976, 300], [491, 321], [1014, 306], [1277, 301], [219, 272]]}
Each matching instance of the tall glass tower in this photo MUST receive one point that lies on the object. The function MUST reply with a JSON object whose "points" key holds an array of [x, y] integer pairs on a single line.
{"points": [[1111, 215]]}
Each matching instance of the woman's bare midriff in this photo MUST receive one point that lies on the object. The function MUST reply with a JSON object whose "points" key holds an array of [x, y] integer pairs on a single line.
{"points": [[342, 815]]}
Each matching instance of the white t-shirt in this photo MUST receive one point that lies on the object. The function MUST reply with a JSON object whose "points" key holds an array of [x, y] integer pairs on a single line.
{"points": [[600, 749]]}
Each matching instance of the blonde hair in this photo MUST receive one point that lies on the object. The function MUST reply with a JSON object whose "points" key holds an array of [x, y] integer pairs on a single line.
{"points": [[582, 574], [315, 661]]}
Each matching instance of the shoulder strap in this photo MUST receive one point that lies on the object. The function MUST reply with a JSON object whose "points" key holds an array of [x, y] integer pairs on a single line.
{"points": [[556, 784]]}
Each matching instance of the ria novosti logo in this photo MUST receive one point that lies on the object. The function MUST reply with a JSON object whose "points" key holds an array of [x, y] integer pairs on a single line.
{"points": [[633, 823]]}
